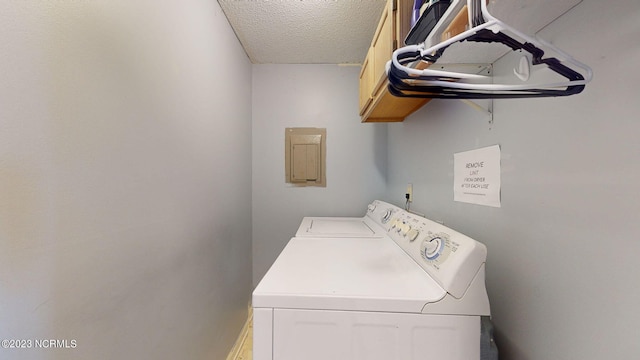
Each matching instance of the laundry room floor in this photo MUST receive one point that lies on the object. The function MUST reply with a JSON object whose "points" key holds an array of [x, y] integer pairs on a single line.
{"points": [[246, 351], [244, 346]]}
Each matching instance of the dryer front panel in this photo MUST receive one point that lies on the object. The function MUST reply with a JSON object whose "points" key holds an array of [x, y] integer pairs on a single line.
{"points": [[349, 335]]}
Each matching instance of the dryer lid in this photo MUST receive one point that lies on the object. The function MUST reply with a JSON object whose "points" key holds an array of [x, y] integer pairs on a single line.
{"points": [[335, 227], [354, 274]]}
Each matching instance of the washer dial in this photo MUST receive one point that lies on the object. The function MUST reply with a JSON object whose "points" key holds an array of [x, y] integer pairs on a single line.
{"points": [[432, 248], [435, 248], [386, 216]]}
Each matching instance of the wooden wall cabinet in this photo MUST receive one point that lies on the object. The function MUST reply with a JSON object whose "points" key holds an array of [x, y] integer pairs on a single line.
{"points": [[376, 103]]}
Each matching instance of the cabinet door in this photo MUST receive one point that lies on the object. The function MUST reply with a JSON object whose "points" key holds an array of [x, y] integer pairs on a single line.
{"points": [[382, 46], [376, 103], [366, 82]]}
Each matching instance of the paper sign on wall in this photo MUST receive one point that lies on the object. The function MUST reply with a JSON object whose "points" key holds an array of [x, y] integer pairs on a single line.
{"points": [[476, 176]]}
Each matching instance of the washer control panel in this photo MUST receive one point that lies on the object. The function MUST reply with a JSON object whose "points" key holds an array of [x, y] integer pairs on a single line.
{"points": [[381, 212], [450, 257]]}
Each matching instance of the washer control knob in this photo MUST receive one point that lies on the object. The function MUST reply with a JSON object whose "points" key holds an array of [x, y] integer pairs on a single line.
{"points": [[371, 207], [413, 234], [432, 247], [386, 216]]}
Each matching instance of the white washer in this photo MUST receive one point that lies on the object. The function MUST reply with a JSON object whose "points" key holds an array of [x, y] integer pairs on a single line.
{"points": [[416, 293], [370, 225]]}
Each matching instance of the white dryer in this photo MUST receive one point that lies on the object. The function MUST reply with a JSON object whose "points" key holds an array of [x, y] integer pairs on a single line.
{"points": [[416, 293], [370, 225]]}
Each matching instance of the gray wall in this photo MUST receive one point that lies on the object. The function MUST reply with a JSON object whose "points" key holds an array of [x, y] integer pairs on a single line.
{"points": [[562, 268], [324, 96], [125, 167]]}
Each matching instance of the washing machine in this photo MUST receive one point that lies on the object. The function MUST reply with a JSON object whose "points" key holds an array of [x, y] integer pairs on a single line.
{"points": [[416, 293], [369, 226]]}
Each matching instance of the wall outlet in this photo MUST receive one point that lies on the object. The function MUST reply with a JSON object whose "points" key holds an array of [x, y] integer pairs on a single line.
{"points": [[410, 192]]}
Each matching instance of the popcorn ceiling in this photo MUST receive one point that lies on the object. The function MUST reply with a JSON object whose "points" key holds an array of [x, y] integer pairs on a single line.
{"points": [[304, 31]]}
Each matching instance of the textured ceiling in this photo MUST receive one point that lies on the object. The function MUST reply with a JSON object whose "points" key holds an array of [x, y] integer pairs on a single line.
{"points": [[304, 31]]}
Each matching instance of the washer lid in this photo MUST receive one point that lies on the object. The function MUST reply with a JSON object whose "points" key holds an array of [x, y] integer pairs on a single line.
{"points": [[357, 274], [336, 227]]}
